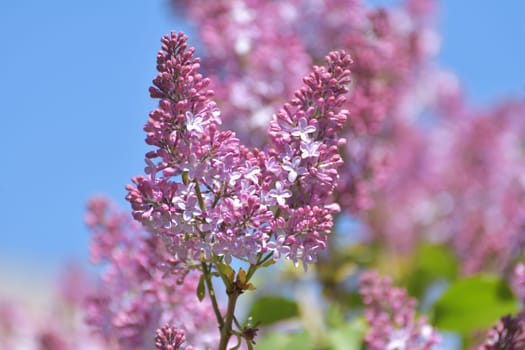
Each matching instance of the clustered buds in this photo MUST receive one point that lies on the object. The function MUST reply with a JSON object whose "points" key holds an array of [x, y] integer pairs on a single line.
{"points": [[170, 338]]}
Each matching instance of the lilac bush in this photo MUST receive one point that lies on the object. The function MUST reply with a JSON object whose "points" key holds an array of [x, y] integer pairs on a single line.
{"points": [[251, 166]]}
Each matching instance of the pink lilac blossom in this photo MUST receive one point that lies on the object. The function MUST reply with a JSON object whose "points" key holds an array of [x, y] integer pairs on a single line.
{"points": [[305, 146], [391, 314], [305, 131], [208, 195], [142, 286], [200, 196]]}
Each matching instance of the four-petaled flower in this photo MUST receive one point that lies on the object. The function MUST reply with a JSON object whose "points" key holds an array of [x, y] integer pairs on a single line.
{"points": [[194, 122], [190, 208], [251, 173], [278, 247], [234, 177], [303, 129], [280, 193], [272, 165], [310, 149], [398, 339], [294, 168]]}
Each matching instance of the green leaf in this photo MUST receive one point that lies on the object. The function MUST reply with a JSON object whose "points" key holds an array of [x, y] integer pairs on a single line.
{"points": [[269, 263], [241, 276], [334, 316], [270, 309], [473, 303], [226, 271], [348, 337], [278, 341], [200, 289], [431, 263]]}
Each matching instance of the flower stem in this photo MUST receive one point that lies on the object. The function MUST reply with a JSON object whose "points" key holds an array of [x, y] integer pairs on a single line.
{"points": [[226, 329], [211, 292]]}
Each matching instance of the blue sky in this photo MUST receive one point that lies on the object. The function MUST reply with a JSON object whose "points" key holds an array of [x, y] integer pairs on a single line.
{"points": [[73, 91]]}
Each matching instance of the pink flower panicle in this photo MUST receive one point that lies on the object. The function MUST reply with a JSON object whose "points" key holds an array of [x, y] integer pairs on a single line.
{"points": [[304, 134], [390, 312], [305, 158], [201, 195], [170, 338], [181, 199], [208, 195]]}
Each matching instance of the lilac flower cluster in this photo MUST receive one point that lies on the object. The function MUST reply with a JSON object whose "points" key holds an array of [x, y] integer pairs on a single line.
{"points": [[305, 157], [206, 195], [390, 312], [142, 286]]}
